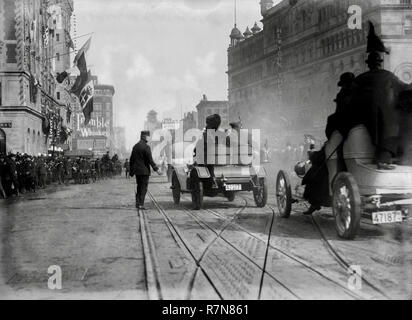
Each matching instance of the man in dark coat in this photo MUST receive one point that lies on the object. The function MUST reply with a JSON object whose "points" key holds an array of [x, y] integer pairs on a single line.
{"points": [[375, 103], [336, 121], [140, 162], [316, 179], [127, 168], [376, 97]]}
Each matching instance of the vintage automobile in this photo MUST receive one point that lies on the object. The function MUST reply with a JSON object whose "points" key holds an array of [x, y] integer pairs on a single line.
{"points": [[218, 180], [227, 181], [384, 196]]}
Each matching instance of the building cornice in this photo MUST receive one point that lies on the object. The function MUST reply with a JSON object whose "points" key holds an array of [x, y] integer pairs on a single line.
{"points": [[21, 109]]}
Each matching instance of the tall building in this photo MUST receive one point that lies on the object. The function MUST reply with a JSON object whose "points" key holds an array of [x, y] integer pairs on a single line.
{"points": [[206, 108], [98, 134], [61, 12], [283, 76], [28, 104]]}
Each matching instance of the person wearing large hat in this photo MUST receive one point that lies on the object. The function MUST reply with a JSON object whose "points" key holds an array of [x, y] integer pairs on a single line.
{"points": [[140, 162], [343, 99], [375, 100]]}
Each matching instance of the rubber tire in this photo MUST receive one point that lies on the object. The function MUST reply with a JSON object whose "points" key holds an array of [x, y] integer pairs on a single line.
{"points": [[261, 203], [346, 179], [176, 191], [231, 196], [287, 209], [197, 194]]}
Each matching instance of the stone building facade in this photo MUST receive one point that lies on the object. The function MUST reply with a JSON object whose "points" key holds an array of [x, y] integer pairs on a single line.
{"points": [[206, 108], [283, 76], [27, 75]]}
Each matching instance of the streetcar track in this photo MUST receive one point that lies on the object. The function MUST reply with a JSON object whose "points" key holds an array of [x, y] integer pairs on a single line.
{"points": [[218, 236], [231, 221], [299, 260], [269, 246], [263, 269], [341, 261], [151, 274], [100, 208], [290, 256], [180, 240]]}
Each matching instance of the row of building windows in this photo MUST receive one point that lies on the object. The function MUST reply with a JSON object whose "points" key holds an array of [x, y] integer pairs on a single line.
{"points": [[328, 46], [343, 40], [246, 54], [99, 107], [247, 77], [246, 93], [338, 10]]}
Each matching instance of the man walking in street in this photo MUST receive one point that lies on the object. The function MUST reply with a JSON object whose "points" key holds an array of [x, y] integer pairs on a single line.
{"points": [[140, 162], [127, 168]]}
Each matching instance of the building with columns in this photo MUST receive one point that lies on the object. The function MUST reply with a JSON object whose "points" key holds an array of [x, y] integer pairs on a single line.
{"points": [[28, 104], [283, 74]]}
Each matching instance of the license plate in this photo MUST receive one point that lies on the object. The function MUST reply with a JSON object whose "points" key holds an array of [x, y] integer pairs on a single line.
{"points": [[233, 187], [386, 217]]}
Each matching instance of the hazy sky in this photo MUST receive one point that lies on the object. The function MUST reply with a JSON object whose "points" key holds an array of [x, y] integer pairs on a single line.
{"points": [[161, 54]]}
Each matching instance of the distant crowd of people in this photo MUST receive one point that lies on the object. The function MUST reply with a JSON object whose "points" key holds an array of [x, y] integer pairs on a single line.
{"points": [[21, 173]]}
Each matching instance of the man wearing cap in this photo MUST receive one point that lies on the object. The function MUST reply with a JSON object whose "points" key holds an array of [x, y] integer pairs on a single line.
{"points": [[140, 162]]}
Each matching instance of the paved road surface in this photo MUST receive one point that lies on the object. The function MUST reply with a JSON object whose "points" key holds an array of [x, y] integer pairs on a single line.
{"points": [[108, 250]]}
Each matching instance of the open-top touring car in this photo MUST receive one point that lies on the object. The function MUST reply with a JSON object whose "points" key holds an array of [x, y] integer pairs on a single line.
{"points": [[384, 196]]}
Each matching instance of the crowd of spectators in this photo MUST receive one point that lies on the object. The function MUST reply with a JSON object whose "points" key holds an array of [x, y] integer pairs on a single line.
{"points": [[21, 173]]}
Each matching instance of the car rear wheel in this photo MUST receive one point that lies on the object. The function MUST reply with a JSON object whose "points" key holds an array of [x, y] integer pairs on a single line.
{"points": [[231, 196], [197, 194], [176, 191], [347, 207], [284, 194], [260, 193]]}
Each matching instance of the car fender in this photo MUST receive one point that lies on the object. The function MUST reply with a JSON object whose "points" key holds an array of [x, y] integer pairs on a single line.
{"points": [[260, 171], [181, 173], [202, 172]]}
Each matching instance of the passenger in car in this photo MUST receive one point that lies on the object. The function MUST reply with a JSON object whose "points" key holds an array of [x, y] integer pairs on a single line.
{"points": [[375, 104], [235, 143], [212, 136]]}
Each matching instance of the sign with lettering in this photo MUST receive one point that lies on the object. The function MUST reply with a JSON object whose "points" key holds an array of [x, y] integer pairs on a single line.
{"points": [[98, 126], [6, 125], [170, 124]]}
